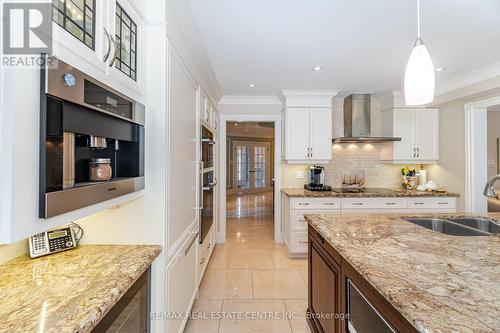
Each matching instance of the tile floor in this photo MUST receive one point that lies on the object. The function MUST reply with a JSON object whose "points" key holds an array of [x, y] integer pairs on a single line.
{"points": [[250, 284]]}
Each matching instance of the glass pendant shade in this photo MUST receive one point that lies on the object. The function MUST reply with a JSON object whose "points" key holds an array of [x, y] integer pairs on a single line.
{"points": [[420, 81]]}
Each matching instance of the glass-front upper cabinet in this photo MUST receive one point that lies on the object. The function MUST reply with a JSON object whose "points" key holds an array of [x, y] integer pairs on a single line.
{"points": [[102, 39], [127, 32]]}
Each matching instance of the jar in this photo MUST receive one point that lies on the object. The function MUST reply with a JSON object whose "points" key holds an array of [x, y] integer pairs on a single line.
{"points": [[100, 169]]}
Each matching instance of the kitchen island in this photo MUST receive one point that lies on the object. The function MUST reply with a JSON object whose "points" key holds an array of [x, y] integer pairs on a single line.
{"points": [[72, 291], [416, 279]]}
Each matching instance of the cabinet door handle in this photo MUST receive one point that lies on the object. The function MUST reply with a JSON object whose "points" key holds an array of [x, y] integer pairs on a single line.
{"points": [[108, 51], [302, 221], [390, 203], [419, 203], [113, 59], [329, 203], [312, 153], [414, 153], [357, 203], [418, 152], [443, 203], [303, 242], [202, 261], [303, 203]]}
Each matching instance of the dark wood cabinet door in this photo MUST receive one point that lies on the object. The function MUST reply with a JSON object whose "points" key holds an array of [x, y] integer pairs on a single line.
{"points": [[324, 289]]}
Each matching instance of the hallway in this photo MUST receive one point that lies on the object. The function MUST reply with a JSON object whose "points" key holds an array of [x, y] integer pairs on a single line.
{"points": [[251, 285]]}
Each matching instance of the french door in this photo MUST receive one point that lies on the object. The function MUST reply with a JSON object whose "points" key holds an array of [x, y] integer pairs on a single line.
{"points": [[251, 166]]}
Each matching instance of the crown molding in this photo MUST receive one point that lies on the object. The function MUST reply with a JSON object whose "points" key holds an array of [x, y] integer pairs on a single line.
{"points": [[287, 93], [481, 74], [256, 100]]}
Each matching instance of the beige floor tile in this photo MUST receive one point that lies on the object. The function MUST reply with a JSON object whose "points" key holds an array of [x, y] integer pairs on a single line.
{"points": [[296, 311], [219, 258], [278, 284], [202, 320], [226, 284], [250, 259], [282, 261], [245, 317], [305, 275], [237, 243], [265, 243]]}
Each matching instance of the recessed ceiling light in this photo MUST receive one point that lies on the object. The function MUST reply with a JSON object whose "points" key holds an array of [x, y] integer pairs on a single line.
{"points": [[251, 85], [440, 69], [317, 68]]}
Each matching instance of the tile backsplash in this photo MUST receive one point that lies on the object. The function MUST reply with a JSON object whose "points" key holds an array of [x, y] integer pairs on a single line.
{"points": [[350, 158]]}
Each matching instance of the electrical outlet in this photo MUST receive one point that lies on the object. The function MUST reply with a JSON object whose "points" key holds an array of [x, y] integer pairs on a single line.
{"points": [[299, 175]]}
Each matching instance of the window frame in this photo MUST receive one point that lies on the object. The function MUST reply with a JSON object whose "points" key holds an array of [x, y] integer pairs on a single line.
{"points": [[134, 29], [66, 17]]}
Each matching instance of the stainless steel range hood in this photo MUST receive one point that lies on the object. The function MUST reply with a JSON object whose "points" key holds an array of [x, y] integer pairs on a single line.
{"points": [[357, 121]]}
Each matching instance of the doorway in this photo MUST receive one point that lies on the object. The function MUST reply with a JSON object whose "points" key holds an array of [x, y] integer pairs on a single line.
{"points": [[249, 178], [251, 166]]}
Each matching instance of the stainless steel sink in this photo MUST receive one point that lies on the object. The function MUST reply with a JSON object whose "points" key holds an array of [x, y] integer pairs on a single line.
{"points": [[447, 227], [478, 223]]}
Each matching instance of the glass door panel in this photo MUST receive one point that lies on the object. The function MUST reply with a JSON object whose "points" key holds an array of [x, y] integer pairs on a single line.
{"points": [[252, 164]]}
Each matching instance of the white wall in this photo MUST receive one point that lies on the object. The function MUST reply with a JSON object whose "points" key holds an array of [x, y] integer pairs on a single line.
{"points": [[250, 108]]}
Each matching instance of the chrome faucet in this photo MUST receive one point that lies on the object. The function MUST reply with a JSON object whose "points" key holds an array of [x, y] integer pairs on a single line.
{"points": [[489, 191]]}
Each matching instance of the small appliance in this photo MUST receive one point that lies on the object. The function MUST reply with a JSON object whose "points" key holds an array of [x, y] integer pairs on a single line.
{"points": [[207, 182], [317, 179]]}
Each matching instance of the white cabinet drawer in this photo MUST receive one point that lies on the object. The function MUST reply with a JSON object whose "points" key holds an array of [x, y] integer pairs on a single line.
{"points": [[373, 203], [316, 203], [432, 203], [299, 223], [299, 242]]}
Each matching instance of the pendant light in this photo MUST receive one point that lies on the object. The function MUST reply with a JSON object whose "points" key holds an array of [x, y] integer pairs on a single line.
{"points": [[420, 81]]}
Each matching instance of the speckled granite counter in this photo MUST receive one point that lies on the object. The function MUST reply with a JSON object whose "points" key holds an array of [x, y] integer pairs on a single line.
{"points": [[439, 283], [369, 193], [70, 291]]}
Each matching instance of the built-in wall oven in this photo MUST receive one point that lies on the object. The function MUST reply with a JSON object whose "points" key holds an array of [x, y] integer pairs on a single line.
{"points": [[207, 182], [363, 317], [91, 142]]}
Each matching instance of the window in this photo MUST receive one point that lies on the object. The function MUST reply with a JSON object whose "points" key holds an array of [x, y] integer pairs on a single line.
{"points": [[126, 43], [77, 17]]}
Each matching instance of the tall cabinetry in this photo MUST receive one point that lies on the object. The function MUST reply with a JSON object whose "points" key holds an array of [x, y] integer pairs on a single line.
{"points": [[307, 126]]}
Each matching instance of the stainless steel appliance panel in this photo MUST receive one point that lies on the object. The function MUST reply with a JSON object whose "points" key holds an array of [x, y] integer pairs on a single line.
{"points": [[207, 210], [363, 317]]}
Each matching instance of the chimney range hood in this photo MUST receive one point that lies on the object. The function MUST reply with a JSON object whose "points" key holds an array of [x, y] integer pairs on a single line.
{"points": [[357, 121]]}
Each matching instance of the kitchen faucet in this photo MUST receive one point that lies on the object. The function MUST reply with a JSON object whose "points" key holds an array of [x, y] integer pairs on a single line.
{"points": [[489, 191]]}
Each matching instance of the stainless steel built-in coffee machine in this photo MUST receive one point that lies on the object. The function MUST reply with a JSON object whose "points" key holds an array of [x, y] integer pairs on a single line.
{"points": [[91, 142], [317, 179]]}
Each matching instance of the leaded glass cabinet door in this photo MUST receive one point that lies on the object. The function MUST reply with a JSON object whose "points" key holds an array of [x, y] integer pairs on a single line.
{"points": [[252, 165]]}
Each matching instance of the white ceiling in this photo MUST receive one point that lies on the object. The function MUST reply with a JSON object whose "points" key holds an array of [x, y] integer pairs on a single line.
{"points": [[363, 45]]}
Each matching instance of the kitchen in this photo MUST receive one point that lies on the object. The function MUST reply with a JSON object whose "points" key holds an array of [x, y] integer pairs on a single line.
{"points": [[118, 155]]}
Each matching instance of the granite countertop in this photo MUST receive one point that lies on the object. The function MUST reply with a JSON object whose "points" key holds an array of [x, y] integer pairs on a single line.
{"points": [[439, 283], [369, 193], [69, 291]]}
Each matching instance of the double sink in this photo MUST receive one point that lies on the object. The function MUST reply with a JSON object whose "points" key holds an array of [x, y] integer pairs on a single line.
{"points": [[459, 226]]}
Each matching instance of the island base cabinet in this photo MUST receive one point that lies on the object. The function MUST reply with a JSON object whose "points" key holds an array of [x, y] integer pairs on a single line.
{"points": [[324, 289], [340, 299]]}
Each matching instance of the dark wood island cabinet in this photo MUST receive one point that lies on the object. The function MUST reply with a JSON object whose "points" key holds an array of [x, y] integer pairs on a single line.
{"points": [[340, 300]]}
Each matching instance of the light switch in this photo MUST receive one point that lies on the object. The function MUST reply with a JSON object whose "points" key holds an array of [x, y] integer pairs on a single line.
{"points": [[492, 163], [300, 175]]}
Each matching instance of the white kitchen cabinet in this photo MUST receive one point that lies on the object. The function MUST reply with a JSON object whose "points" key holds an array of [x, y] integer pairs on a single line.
{"points": [[294, 225], [307, 126], [181, 283], [99, 59], [205, 251], [419, 133], [308, 135], [297, 134]]}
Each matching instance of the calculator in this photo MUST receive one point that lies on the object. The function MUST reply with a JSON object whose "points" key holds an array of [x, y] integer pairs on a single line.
{"points": [[53, 241]]}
